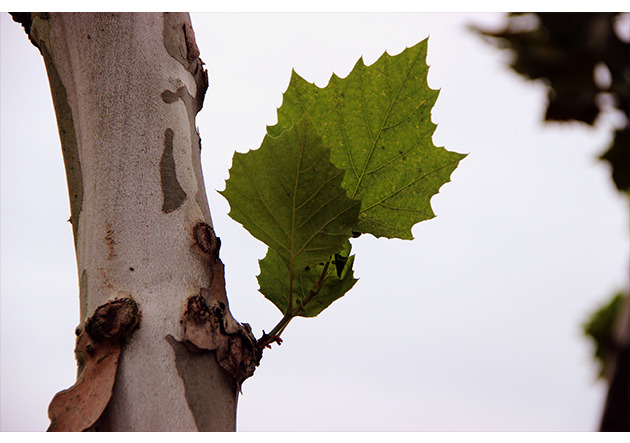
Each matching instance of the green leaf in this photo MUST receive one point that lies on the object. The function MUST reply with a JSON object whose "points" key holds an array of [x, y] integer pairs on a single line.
{"points": [[288, 195], [377, 123], [274, 278]]}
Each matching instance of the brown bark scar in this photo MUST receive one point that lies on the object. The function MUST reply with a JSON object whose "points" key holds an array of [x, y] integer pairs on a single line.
{"points": [[98, 349], [206, 239], [191, 45], [105, 280], [208, 323]]}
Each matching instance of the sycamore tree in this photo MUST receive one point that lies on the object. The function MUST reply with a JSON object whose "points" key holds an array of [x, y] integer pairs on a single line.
{"points": [[157, 346]]}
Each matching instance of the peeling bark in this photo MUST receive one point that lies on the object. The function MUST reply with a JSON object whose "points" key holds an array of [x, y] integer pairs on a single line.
{"points": [[208, 323], [98, 350]]}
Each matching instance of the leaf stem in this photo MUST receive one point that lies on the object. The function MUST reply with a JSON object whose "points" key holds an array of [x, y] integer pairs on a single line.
{"points": [[290, 305], [291, 313]]}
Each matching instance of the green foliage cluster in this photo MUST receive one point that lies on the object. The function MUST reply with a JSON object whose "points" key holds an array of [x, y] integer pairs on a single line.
{"points": [[355, 157]]}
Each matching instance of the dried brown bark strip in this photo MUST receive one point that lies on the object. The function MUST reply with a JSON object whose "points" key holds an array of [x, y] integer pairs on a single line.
{"points": [[208, 323], [98, 350]]}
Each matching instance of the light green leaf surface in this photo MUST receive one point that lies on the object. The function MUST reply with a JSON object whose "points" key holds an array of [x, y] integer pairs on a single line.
{"points": [[288, 195], [274, 278], [377, 123]]}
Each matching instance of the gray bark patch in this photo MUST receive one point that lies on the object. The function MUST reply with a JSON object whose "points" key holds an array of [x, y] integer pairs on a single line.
{"points": [[192, 107], [69, 145], [172, 191], [83, 295], [179, 41], [207, 388], [174, 37], [171, 97]]}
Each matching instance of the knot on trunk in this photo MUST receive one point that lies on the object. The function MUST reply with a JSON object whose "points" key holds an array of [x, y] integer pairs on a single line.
{"points": [[209, 325], [206, 239], [114, 320]]}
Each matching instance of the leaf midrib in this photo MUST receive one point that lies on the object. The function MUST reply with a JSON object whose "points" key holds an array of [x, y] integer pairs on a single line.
{"points": [[293, 199], [382, 126]]}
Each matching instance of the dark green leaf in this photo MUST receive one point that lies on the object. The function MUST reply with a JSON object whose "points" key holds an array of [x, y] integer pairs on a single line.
{"points": [[274, 283], [288, 195]]}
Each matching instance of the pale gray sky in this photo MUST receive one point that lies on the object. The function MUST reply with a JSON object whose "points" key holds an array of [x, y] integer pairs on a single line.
{"points": [[474, 325]]}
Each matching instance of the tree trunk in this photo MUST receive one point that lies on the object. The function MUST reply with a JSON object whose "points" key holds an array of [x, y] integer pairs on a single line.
{"points": [[126, 89], [616, 415]]}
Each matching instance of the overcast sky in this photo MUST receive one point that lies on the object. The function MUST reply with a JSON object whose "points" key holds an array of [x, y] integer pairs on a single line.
{"points": [[474, 325]]}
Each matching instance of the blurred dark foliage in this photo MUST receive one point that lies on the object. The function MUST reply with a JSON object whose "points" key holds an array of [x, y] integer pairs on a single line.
{"points": [[586, 66], [566, 50]]}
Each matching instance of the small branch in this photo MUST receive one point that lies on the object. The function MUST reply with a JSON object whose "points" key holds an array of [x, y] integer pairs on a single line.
{"points": [[282, 324]]}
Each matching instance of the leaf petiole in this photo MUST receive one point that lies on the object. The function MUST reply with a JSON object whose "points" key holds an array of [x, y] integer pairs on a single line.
{"points": [[282, 324]]}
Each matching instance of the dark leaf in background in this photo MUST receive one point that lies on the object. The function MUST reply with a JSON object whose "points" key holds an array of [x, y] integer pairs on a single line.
{"points": [[580, 56]]}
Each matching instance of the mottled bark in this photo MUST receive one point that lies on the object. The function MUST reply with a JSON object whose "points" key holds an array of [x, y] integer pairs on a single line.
{"points": [[126, 89]]}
